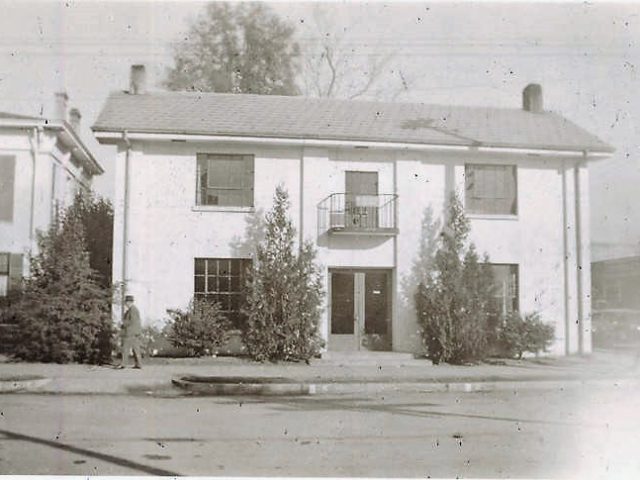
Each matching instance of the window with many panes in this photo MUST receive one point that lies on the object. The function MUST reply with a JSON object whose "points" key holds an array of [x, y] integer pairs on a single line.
{"points": [[491, 189], [224, 180], [222, 280], [505, 292]]}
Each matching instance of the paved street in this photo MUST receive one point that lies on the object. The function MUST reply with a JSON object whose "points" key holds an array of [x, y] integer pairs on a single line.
{"points": [[576, 432]]}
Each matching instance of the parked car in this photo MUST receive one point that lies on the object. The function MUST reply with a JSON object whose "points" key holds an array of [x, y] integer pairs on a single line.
{"points": [[615, 327]]}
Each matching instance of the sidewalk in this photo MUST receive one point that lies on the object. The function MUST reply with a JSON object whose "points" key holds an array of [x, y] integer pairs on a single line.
{"points": [[613, 368]]}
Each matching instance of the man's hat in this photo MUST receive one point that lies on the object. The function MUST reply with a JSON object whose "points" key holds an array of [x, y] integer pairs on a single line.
{"points": [[128, 298]]}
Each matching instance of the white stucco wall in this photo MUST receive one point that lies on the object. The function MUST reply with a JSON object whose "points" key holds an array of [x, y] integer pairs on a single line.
{"points": [[533, 239], [14, 235], [422, 190], [35, 191], [166, 231]]}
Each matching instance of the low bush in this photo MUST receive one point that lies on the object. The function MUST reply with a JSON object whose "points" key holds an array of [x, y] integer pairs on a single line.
{"points": [[519, 334], [155, 340], [199, 330]]}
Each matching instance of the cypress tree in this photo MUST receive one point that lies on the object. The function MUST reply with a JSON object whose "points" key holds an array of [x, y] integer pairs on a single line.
{"points": [[454, 304], [284, 292]]}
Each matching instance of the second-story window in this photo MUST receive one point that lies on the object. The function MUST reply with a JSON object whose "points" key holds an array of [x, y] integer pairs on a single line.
{"points": [[225, 180], [491, 189]]}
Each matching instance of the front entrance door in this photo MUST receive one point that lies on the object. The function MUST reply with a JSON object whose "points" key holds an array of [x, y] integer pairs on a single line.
{"points": [[360, 310]]}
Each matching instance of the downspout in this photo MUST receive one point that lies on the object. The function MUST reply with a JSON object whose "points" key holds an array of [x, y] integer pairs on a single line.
{"points": [[301, 226], [125, 216], [393, 327], [34, 141]]}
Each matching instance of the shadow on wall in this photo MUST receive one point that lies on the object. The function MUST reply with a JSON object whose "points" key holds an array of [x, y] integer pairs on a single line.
{"points": [[420, 270], [255, 228], [351, 242], [245, 247]]}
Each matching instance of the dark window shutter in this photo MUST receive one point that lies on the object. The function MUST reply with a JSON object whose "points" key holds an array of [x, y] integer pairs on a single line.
{"points": [[513, 191], [201, 179], [15, 272], [7, 179], [248, 180]]}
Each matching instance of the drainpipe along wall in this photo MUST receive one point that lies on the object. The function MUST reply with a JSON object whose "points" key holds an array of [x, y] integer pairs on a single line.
{"points": [[125, 221], [34, 141]]}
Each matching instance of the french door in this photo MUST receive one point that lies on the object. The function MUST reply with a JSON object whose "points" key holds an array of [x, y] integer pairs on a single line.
{"points": [[360, 310]]}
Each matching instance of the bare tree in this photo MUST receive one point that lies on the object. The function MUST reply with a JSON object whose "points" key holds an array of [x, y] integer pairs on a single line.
{"points": [[335, 65]]}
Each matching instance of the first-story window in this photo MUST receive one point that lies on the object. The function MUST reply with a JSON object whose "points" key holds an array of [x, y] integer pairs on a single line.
{"points": [[222, 280], [4, 274], [10, 273], [505, 292], [224, 180]]}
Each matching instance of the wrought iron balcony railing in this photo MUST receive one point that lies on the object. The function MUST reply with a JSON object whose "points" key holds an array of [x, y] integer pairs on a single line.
{"points": [[353, 214]]}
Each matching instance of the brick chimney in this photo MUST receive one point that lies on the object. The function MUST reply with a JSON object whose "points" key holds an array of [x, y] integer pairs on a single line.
{"points": [[138, 80], [60, 106], [74, 119], [532, 98]]}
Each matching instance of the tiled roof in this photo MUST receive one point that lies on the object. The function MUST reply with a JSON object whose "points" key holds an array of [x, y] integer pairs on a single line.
{"points": [[329, 119]]}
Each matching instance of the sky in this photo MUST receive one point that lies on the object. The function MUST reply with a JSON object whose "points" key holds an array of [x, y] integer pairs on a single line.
{"points": [[586, 56]]}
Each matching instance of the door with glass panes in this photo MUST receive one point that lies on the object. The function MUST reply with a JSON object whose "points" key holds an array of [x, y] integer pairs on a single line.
{"points": [[360, 310], [361, 200]]}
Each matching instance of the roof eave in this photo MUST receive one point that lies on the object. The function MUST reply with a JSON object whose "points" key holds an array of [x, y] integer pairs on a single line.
{"points": [[71, 139], [113, 135], [84, 153]]}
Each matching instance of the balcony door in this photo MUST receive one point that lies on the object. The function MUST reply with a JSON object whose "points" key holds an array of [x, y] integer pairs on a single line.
{"points": [[360, 310], [361, 200]]}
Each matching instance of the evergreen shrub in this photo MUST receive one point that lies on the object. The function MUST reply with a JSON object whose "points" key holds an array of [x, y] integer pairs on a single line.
{"points": [[284, 293], [63, 314], [454, 303], [519, 334]]}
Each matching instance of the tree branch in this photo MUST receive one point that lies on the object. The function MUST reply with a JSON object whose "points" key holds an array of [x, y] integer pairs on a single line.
{"points": [[329, 56]]}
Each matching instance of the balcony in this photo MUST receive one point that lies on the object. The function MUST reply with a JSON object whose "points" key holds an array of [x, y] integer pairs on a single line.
{"points": [[354, 214]]}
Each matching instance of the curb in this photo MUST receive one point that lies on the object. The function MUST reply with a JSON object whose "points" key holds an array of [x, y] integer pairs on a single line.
{"points": [[291, 388], [8, 386], [255, 388]]}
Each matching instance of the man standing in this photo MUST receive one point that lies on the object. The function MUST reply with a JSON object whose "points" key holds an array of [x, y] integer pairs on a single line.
{"points": [[131, 333]]}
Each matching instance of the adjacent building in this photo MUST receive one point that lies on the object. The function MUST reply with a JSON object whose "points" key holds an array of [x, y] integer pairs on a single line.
{"points": [[368, 183], [616, 283], [43, 163]]}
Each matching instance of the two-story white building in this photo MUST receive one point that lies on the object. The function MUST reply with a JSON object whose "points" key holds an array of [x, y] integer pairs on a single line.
{"points": [[194, 169], [43, 163]]}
